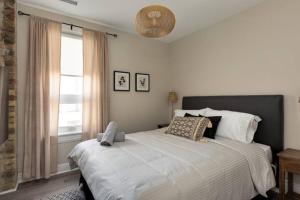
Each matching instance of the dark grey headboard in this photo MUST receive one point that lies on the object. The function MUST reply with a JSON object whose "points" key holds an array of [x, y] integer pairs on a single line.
{"points": [[268, 107]]}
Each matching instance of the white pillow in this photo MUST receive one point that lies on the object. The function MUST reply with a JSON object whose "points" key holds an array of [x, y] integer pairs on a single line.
{"points": [[235, 125], [181, 113]]}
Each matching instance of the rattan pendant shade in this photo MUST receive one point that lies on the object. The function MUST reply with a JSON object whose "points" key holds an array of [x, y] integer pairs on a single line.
{"points": [[155, 21]]}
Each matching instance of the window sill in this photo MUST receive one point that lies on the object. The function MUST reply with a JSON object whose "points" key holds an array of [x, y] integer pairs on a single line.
{"points": [[67, 138]]}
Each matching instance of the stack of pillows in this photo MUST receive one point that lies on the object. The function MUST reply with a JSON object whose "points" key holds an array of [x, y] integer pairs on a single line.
{"points": [[195, 124], [111, 135]]}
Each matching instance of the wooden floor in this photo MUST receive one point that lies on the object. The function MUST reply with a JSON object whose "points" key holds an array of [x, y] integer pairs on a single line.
{"points": [[37, 189]]}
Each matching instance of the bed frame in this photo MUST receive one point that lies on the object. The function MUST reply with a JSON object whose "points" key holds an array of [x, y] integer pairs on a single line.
{"points": [[269, 107]]}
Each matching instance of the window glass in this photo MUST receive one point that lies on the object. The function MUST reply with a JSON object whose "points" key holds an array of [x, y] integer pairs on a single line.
{"points": [[71, 55], [71, 85], [70, 108]]}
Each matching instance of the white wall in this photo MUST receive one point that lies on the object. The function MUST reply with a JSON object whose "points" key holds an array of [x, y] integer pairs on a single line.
{"points": [[133, 111], [255, 52]]}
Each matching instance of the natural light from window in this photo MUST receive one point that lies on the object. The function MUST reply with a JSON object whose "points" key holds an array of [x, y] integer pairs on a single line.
{"points": [[70, 108]]}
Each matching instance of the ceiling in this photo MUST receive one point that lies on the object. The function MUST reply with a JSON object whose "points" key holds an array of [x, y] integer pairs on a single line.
{"points": [[191, 15]]}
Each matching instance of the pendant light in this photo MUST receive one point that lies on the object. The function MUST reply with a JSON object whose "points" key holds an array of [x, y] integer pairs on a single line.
{"points": [[155, 21]]}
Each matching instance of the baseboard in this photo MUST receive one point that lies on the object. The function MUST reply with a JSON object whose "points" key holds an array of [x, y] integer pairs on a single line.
{"points": [[9, 191]]}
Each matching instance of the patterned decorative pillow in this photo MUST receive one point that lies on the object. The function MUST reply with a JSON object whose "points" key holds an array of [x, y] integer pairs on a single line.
{"points": [[209, 132], [188, 127]]}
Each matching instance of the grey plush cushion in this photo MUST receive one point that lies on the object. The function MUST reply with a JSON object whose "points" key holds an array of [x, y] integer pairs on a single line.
{"points": [[109, 134], [119, 137]]}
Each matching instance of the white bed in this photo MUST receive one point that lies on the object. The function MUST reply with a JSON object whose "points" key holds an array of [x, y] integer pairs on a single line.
{"points": [[152, 166], [267, 150]]}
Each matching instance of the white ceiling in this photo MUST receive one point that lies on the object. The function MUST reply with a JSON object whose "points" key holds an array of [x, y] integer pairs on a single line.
{"points": [[191, 15]]}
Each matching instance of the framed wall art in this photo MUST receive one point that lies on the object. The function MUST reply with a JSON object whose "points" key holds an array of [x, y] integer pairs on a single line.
{"points": [[142, 82], [121, 81]]}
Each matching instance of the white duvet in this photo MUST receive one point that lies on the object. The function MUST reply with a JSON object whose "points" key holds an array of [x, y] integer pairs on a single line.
{"points": [[155, 166]]}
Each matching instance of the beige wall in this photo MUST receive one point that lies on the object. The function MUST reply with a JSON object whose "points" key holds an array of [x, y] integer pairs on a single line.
{"points": [[255, 52], [133, 111]]}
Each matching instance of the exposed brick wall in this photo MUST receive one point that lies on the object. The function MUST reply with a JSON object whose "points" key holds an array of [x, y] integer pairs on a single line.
{"points": [[8, 59]]}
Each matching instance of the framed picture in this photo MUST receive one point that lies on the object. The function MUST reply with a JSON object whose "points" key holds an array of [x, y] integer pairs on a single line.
{"points": [[142, 82], [121, 81]]}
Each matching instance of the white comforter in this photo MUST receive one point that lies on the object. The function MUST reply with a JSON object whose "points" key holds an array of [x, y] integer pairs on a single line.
{"points": [[152, 166]]}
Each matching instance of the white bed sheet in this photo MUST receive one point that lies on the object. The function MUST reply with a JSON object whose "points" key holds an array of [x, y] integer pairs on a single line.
{"points": [[267, 149], [152, 165]]}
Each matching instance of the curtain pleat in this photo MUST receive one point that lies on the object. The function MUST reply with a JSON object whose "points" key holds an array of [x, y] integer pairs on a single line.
{"points": [[95, 84], [42, 99]]}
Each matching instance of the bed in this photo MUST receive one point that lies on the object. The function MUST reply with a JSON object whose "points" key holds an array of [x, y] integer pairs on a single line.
{"points": [[154, 165]]}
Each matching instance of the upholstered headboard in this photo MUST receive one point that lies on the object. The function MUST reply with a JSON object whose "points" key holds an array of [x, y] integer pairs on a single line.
{"points": [[268, 107]]}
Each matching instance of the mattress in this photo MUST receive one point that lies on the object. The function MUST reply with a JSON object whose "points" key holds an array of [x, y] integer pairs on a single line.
{"points": [[152, 165]]}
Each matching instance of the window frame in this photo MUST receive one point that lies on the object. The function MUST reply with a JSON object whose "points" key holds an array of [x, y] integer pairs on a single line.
{"points": [[76, 135]]}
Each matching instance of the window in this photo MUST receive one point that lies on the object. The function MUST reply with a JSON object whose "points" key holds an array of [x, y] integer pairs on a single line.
{"points": [[70, 108]]}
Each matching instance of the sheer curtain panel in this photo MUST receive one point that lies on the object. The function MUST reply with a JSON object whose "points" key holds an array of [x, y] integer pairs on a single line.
{"points": [[42, 99], [95, 92]]}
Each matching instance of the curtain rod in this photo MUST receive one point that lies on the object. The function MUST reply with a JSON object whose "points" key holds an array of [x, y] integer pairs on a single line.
{"points": [[71, 25]]}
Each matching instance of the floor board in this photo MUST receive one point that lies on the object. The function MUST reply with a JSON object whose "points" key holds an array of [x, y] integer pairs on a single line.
{"points": [[35, 190]]}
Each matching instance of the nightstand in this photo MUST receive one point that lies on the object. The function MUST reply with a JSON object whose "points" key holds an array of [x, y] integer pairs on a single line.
{"points": [[162, 125], [289, 162]]}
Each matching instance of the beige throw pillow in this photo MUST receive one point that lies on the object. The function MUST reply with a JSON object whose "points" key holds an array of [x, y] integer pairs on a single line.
{"points": [[188, 127]]}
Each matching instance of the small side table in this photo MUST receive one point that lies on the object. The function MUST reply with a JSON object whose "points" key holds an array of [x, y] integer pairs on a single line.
{"points": [[162, 125], [289, 161]]}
